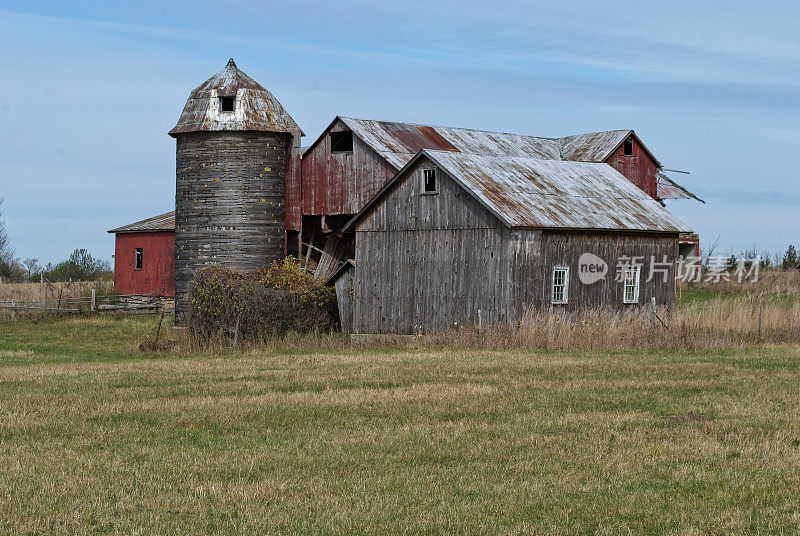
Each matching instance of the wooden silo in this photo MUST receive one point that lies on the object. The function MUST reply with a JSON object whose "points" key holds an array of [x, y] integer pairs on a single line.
{"points": [[237, 149]]}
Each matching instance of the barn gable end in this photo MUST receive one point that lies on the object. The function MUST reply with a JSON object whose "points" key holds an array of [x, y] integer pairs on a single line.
{"points": [[428, 260]]}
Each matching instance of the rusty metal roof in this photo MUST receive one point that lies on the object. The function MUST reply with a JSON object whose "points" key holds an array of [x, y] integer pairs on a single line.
{"points": [[533, 193], [162, 222], [399, 142], [667, 188], [255, 108]]}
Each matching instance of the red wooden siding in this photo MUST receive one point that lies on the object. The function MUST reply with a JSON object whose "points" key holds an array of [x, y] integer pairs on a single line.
{"points": [[341, 183], [640, 168], [293, 213], [157, 275]]}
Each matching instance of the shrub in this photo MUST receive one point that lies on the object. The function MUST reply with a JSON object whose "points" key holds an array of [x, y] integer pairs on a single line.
{"points": [[252, 306]]}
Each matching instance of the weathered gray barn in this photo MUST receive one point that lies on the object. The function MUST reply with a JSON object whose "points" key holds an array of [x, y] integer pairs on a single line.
{"points": [[454, 233]]}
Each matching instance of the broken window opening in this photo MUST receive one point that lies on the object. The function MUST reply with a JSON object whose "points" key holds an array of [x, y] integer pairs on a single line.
{"points": [[628, 148], [429, 185], [138, 259], [342, 142]]}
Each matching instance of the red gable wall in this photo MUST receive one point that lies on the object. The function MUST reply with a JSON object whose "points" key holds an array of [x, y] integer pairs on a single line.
{"points": [[157, 275], [640, 168], [341, 183]]}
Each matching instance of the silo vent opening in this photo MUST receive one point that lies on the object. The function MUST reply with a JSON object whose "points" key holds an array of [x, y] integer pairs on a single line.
{"points": [[226, 104]]}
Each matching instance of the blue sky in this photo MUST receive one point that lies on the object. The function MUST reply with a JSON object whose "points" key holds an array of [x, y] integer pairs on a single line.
{"points": [[90, 89]]}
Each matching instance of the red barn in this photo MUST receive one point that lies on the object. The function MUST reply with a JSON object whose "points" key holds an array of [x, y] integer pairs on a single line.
{"points": [[144, 256]]}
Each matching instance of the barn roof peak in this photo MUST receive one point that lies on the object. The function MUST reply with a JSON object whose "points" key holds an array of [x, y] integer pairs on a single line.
{"points": [[231, 100]]}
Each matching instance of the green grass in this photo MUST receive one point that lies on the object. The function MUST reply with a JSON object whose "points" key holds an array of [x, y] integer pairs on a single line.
{"points": [[98, 438]]}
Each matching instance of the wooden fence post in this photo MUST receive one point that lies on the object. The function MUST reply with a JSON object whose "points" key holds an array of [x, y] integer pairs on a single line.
{"points": [[94, 302], [653, 313], [41, 282], [480, 325], [13, 311]]}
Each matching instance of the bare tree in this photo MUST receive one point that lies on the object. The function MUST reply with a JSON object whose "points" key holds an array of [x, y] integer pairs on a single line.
{"points": [[6, 252], [710, 252], [32, 267]]}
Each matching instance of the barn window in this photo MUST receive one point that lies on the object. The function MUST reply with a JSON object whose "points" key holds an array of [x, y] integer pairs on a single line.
{"points": [[560, 285], [429, 183], [628, 147], [226, 104], [342, 142], [631, 285], [138, 259]]}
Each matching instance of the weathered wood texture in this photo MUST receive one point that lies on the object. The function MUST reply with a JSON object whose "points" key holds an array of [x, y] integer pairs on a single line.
{"points": [[430, 261], [229, 203], [639, 168], [344, 298], [534, 254], [341, 183], [293, 185], [157, 275]]}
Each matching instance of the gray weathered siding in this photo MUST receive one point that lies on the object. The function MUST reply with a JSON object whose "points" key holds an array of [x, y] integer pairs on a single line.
{"points": [[229, 203], [536, 253], [429, 260], [344, 298]]}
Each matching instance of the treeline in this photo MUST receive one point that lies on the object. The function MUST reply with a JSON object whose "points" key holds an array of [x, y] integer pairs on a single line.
{"points": [[79, 266]]}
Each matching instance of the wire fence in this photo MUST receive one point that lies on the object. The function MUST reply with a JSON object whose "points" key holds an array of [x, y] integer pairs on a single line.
{"points": [[95, 303]]}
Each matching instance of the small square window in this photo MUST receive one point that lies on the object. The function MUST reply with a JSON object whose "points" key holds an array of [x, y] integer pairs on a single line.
{"points": [[429, 183], [226, 104], [138, 253], [631, 284], [342, 142], [560, 285], [628, 147]]}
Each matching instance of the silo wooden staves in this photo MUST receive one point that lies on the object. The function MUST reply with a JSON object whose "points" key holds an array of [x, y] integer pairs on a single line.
{"points": [[237, 148]]}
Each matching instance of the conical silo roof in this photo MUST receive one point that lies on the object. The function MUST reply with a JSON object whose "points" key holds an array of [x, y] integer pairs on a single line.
{"points": [[255, 108]]}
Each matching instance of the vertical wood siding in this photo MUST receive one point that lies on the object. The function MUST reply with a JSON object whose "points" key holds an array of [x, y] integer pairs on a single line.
{"points": [[429, 261], [157, 275], [639, 168], [293, 186], [344, 299], [229, 203], [341, 183], [536, 253]]}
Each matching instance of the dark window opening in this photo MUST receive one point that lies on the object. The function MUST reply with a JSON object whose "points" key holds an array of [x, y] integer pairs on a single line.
{"points": [[138, 259], [628, 148], [226, 104], [341, 142], [429, 181]]}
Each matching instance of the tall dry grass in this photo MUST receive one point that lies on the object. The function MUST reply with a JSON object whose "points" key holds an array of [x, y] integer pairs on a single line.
{"points": [[722, 315], [34, 292]]}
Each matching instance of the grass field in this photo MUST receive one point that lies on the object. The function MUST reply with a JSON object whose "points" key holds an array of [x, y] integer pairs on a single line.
{"points": [[99, 438]]}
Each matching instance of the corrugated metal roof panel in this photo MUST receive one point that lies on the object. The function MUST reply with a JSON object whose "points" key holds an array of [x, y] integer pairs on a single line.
{"points": [[399, 142], [592, 147], [547, 194], [669, 189], [162, 222], [255, 108]]}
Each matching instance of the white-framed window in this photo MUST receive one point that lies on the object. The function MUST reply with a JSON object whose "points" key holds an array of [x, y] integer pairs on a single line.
{"points": [[630, 284], [560, 285], [430, 183]]}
